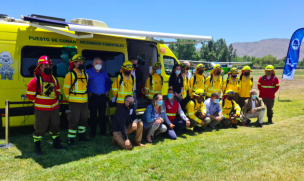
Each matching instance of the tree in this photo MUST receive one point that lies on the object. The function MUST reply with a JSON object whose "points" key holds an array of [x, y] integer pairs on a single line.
{"points": [[185, 51], [211, 57]]}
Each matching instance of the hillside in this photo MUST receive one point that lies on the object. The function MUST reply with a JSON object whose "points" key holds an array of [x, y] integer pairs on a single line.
{"points": [[276, 47]]}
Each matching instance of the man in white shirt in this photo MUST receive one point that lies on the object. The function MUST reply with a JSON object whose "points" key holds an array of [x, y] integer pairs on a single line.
{"points": [[188, 74]]}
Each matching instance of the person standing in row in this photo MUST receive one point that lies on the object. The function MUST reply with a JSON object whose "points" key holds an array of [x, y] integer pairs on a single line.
{"points": [[214, 81], [123, 85], [138, 76], [98, 87], [268, 85], [76, 93], [246, 83], [185, 81], [154, 82], [43, 90], [176, 82], [198, 80], [188, 73], [232, 83]]}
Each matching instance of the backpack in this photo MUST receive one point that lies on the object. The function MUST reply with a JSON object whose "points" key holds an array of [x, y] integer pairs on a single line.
{"points": [[121, 79], [184, 103], [75, 80], [151, 79], [38, 83]]}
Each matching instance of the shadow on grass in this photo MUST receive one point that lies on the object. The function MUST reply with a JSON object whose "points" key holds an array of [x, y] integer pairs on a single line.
{"points": [[285, 100]]}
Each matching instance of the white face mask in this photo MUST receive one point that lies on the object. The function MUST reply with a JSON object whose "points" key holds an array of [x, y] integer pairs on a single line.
{"points": [[98, 67]]}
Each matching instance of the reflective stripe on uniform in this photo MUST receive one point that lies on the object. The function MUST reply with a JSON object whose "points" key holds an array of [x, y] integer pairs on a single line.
{"points": [[267, 86], [46, 106], [30, 93], [170, 114]]}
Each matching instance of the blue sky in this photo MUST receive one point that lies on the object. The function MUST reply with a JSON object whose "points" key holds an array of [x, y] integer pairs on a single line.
{"points": [[234, 20]]}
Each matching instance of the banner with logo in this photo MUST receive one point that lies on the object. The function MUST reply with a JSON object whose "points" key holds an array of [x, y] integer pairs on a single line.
{"points": [[293, 54]]}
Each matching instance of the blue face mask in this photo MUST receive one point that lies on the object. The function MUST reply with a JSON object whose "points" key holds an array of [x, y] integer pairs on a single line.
{"points": [[158, 71], [254, 96], [216, 101], [160, 103], [177, 72], [170, 96]]}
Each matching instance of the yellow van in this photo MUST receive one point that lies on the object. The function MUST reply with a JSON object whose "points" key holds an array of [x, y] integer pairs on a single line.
{"points": [[23, 41]]}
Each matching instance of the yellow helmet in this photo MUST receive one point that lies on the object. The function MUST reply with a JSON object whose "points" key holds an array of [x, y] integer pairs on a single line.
{"points": [[127, 65], [77, 57], [199, 92], [229, 92], [233, 70], [200, 66], [246, 68], [215, 67], [157, 65], [183, 65], [270, 67]]}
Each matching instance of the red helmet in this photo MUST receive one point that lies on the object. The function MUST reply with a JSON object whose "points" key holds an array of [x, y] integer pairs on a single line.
{"points": [[43, 60]]}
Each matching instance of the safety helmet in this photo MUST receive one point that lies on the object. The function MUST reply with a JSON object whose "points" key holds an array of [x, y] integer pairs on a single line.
{"points": [[270, 67], [127, 65], [199, 92], [183, 65], [43, 60], [246, 68], [200, 66], [233, 70], [157, 65], [216, 67], [229, 92], [77, 57]]}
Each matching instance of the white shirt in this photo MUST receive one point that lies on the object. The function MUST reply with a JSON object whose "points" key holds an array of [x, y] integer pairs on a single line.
{"points": [[134, 75], [189, 75], [253, 104]]}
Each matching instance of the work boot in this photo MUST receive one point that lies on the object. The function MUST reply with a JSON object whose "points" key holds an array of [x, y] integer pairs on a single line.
{"points": [[260, 125], [82, 137], [71, 141], [57, 145], [137, 143], [38, 148], [197, 128], [234, 126], [248, 122], [243, 123], [270, 120]]}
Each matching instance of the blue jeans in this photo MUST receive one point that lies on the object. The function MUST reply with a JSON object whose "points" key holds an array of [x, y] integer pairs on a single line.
{"points": [[179, 126]]}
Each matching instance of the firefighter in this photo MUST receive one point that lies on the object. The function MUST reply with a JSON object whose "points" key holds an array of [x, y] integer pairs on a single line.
{"points": [[185, 80], [268, 85], [230, 109], [123, 85], [232, 83], [75, 91], [43, 90], [214, 81], [196, 111], [198, 80], [246, 83], [154, 82]]}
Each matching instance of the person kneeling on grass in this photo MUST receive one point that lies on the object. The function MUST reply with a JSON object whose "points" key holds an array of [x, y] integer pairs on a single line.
{"points": [[196, 111], [154, 117], [231, 110], [253, 108], [121, 128], [173, 109], [213, 108]]}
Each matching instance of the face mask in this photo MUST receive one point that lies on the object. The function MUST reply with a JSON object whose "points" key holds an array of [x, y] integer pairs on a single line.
{"points": [[233, 76], [177, 72], [98, 67], [170, 96], [80, 66], [218, 73], [127, 72], [47, 71], [131, 105], [200, 99], [254, 96], [158, 71], [193, 71], [160, 103], [268, 73], [216, 101], [135, 66], [230, 98], [200, 72], [246, 73]]}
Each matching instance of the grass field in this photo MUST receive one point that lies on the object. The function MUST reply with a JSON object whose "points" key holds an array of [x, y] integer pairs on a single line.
{"points": [[274, 152]]}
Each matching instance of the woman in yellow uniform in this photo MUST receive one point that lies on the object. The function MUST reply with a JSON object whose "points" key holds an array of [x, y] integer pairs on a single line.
{"points": [[154, 82], [232, 83], [246, 83]]}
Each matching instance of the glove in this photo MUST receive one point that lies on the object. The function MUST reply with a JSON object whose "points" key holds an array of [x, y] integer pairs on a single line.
{"points": [[113, 99]]}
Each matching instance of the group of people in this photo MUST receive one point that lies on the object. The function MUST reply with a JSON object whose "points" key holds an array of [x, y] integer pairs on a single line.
{"points": [[192, 101]]}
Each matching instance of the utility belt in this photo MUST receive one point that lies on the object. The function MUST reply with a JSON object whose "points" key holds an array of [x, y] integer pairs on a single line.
{"points": [[98, 95]]}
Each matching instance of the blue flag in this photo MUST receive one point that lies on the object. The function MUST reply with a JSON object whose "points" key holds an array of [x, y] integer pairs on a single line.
{"points": [[293, 54]]}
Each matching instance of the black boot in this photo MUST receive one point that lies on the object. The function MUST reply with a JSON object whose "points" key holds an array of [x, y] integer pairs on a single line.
{"points": [[196, 128], [38, 148], [83, 138], [57, 145], [234, 126], [248, 122], [270, 120], [71, 142], [260, 125]]}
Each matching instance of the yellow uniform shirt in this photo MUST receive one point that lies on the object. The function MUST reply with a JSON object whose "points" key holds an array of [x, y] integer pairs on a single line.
{"points": [[155, 87], [213, 85], [228, 108], [192, 108], [245, 86], [198, 84], [120, 89], [231, 85]]}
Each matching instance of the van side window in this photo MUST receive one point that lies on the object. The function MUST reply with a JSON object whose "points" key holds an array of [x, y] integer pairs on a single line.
{"points": [[31, 54], [169, 62], [111, 61]]}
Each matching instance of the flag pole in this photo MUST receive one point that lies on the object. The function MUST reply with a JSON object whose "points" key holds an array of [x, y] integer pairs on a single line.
{"points": [[280, 88]]}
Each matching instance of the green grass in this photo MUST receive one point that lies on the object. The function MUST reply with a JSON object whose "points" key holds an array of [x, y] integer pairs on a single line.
{"points": [[274, 152]]}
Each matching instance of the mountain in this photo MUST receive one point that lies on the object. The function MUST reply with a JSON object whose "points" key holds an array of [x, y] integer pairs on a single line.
{"points": [[276, 47]]}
